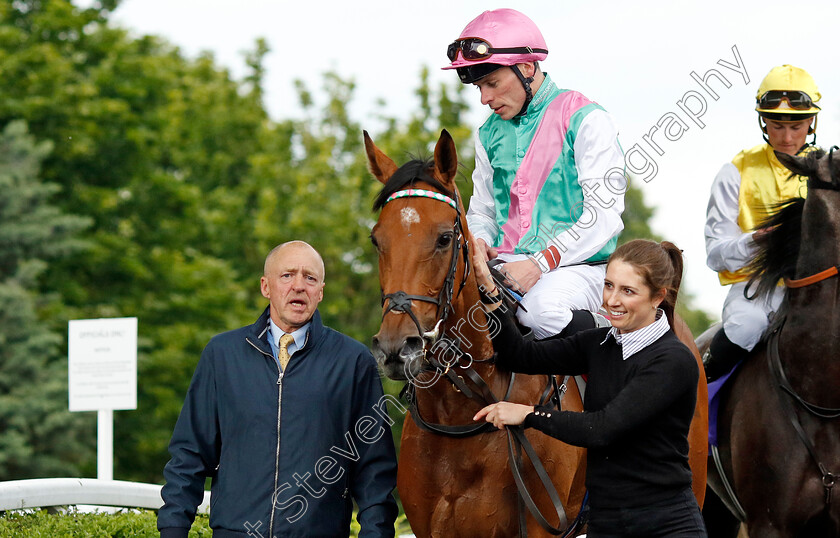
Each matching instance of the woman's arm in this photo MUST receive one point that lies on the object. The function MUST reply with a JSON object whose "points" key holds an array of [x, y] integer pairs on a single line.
{"points": [[645, 397], [513, 352]]}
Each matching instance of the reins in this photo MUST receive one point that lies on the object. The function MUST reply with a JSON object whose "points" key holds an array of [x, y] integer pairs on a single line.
{"points": [[481, 393], [775, 363]]}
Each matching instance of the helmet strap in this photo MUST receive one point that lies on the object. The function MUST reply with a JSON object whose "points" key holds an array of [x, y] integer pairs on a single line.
{"points": [[763, 127], [526, 83]]}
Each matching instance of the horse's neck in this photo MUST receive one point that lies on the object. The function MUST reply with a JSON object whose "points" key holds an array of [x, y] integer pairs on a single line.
{"points": [[819, 250], [810, 339], [820, 239], [468, 323]]}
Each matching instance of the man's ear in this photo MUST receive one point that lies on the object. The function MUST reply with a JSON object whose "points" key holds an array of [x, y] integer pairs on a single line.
{"points": [[528, 69], [264, 287]]}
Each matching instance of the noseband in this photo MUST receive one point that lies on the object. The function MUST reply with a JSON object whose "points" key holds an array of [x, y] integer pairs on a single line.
{"points": [[400, 301]]}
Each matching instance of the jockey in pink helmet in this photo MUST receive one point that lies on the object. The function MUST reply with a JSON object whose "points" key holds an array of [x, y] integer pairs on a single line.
{"points": [[496, 39], [541, 201]]}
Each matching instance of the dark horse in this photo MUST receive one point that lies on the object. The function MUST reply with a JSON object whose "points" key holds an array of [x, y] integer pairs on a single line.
{"points": [[779, 433], [456, 477]]}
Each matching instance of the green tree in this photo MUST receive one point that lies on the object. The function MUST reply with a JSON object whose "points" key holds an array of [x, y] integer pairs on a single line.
{"points": [[636, 218], [188, 184], [152, 146], [39, 437]]}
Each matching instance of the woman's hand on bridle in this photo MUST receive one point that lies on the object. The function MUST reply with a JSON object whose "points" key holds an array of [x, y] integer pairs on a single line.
{"points": [[503, 414]]}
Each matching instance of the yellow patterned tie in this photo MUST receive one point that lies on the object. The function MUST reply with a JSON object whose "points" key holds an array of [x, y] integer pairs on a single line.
{"points": [[283, 352]]}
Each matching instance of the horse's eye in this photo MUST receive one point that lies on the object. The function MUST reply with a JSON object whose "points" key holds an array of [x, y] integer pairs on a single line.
{"points": [[375, 243], [445, 240]]}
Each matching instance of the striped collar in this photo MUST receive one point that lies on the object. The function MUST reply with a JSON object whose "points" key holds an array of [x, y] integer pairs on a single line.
{"points": [[635, 341]]}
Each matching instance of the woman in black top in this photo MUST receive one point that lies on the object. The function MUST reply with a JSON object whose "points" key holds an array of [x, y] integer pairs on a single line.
{"points": [[639, 402]]}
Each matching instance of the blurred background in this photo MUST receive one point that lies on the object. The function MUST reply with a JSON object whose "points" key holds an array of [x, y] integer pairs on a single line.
{"points": [[152, 152]]}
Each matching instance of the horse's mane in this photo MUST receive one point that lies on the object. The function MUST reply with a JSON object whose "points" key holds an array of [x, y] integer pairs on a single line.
{"points": [[407, 175], [778, 249]]}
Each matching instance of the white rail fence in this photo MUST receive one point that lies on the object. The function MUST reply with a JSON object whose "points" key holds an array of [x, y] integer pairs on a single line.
{"points": [[45, 492]]}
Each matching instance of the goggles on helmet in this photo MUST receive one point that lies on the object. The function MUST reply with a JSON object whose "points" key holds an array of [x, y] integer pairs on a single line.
{"points": [[475, 48], [796, 99]]}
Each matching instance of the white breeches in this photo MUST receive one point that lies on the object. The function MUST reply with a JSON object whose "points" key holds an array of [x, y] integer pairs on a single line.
{"points": [[550, 302], [744, 321]]}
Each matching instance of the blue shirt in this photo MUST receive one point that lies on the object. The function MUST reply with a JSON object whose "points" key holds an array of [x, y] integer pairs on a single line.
{"points": [[275, 333]]}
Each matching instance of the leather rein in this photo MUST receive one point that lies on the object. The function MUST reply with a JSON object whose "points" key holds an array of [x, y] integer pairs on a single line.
{"points": [[480, 392]]}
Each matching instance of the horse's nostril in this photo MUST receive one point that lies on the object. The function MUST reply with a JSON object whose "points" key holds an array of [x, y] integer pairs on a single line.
{"points": [[412, 346]]}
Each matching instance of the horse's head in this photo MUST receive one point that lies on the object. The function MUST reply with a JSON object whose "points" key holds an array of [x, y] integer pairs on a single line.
{"points": [[820, 167], [801, 235], [422, 249]]}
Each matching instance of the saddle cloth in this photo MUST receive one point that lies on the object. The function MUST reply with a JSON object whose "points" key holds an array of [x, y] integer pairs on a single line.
{"points": [[715, 394]]}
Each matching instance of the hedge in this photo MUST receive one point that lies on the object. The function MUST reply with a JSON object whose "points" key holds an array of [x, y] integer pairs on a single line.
{"points": [[122, 524]]}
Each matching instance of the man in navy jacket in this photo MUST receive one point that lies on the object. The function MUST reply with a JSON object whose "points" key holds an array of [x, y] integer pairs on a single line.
{"points": [[288, 446]]}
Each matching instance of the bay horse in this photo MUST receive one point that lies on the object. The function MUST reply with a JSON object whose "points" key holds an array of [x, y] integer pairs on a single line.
{"points": [[457, 478], [778, 428]]}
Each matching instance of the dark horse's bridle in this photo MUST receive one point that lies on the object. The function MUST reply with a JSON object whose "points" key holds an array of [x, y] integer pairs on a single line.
{"points": [[400, 301], [775, 363]]}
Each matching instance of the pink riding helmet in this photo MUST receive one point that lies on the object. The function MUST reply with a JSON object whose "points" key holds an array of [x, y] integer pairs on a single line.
{"points": [[501, 29]]}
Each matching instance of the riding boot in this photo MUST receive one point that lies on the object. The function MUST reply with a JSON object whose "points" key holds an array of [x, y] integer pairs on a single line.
{"points": [[722, 356]]}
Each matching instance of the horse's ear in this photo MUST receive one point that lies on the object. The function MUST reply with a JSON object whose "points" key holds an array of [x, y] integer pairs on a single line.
{"points": [[380, 165], [801, 166], [446, 159]]}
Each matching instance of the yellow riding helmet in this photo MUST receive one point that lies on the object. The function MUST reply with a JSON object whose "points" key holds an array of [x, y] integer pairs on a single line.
{"points": [[787, 93]]}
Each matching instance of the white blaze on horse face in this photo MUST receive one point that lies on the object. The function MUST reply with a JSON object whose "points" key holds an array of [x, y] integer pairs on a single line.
{"points": [[409, 216]]}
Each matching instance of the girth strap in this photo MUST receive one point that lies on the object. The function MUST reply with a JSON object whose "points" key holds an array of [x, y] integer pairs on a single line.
{"points": [[727, 486]]}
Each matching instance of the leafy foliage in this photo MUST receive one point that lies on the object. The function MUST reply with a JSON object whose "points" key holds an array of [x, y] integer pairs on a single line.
{"points": [[38, 436], [123, 524], [185, 184]]}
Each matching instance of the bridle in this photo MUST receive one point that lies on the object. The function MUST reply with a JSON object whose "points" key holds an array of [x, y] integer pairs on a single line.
{"points": [[400, 301], [816, 183], [782, 382]]}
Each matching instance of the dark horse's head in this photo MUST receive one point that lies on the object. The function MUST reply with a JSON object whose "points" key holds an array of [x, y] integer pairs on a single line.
{"points": [[418, 237], [778, 255]]}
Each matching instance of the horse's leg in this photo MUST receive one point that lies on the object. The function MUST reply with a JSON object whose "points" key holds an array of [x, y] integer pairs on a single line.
{"points": [[720, 523]]}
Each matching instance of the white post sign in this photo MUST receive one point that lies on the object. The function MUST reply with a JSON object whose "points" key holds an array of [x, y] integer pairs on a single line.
{"points": [[103, 376]]}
